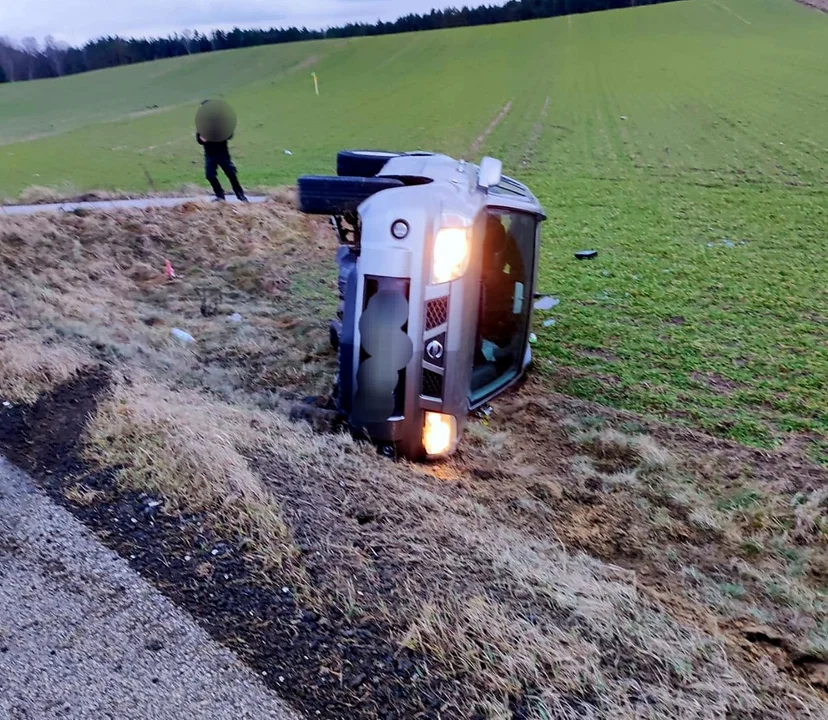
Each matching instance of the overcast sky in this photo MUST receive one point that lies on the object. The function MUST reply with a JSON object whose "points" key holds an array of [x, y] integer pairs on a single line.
{"points": [[76, 21]]}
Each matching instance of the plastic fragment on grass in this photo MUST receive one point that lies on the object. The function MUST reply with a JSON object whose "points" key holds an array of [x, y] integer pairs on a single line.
{"points": [[586, 254], [549, 322], [546, 303], [484, 411], [182, 336], [533, 338]]}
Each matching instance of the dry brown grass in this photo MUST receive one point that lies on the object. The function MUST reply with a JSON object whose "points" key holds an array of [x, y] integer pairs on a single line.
{"points": [[83, 495], [96, 283], [79, 290], [29, 367], [556, 669], [555, 568], [714, 530], [188, 449], [68, 193], [623, 451]]}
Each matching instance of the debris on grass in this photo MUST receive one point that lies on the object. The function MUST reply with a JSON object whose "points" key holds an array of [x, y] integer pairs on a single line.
{"points": [[181, 335], [546, 303]]}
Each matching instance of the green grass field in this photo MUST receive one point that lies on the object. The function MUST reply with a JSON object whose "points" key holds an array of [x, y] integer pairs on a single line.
{"points": [[687, 142]]}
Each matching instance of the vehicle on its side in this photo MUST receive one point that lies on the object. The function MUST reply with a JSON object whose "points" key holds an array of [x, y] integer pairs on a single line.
{"points": [[438, 259]]}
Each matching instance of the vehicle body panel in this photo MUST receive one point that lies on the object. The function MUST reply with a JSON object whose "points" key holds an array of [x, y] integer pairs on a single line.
{"points": [[391, 273]]}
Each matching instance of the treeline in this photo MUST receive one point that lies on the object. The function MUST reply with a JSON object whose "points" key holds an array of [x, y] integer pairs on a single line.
{"points": [[31, 60]]}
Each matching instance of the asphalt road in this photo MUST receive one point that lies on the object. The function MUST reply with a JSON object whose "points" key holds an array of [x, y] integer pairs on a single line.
{"points": [[83, 636], [112, 204]]}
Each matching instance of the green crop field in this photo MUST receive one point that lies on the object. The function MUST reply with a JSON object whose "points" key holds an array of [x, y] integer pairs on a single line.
{"points": [[687, 142]]}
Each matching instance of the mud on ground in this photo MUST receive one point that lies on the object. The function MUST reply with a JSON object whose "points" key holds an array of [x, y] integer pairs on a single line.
{"points": [[570, 561]]}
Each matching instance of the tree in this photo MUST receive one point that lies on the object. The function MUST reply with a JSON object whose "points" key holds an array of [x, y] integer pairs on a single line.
{"points": [[187, 40], [8, 58], [31, 50], [56, 53]]}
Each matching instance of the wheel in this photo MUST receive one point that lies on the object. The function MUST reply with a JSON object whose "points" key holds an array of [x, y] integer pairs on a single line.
{"points": [[339, 195], [362, 163]]}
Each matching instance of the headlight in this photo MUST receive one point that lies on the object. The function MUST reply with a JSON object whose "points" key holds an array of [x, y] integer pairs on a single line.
{"points": [[439, 432], [451, 254]]}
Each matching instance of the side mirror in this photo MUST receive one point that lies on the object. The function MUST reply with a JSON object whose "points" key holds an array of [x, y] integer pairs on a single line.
{"points": [[490, 172]]}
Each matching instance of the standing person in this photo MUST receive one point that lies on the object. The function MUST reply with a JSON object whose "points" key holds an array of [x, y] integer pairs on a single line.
{"points": [[217, 155]]}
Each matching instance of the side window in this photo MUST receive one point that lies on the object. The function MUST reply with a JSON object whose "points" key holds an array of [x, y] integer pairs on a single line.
{"points": [[505, 304]]}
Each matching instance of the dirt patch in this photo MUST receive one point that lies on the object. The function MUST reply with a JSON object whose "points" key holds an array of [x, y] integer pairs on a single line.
{"points": [[740, 501], [716, 382], [603, 355], [48, 435], [480, 140]]}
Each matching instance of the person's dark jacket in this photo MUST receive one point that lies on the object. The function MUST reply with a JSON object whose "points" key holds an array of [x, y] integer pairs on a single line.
{"points": [[214, 149]]}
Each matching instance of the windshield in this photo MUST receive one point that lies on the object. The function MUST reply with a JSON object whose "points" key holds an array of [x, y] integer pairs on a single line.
{"points": [[505, 300]]}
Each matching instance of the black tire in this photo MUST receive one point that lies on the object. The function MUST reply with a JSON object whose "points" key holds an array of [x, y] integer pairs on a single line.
{"points": [[362, 163], [324, 195]]}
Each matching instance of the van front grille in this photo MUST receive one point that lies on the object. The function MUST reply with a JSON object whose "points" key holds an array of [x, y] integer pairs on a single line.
{"points": [[432, 385], [436, 312]]}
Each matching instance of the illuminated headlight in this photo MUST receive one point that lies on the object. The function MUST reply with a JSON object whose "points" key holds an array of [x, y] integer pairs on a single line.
{"points": [[439, 432], [451, 254]]}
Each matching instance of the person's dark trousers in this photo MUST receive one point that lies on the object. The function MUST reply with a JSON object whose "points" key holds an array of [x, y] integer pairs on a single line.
{"points": [[222, 160]]}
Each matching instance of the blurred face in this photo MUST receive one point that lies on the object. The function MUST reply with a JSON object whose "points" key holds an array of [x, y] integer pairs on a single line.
{"points": [[215, 120]]}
